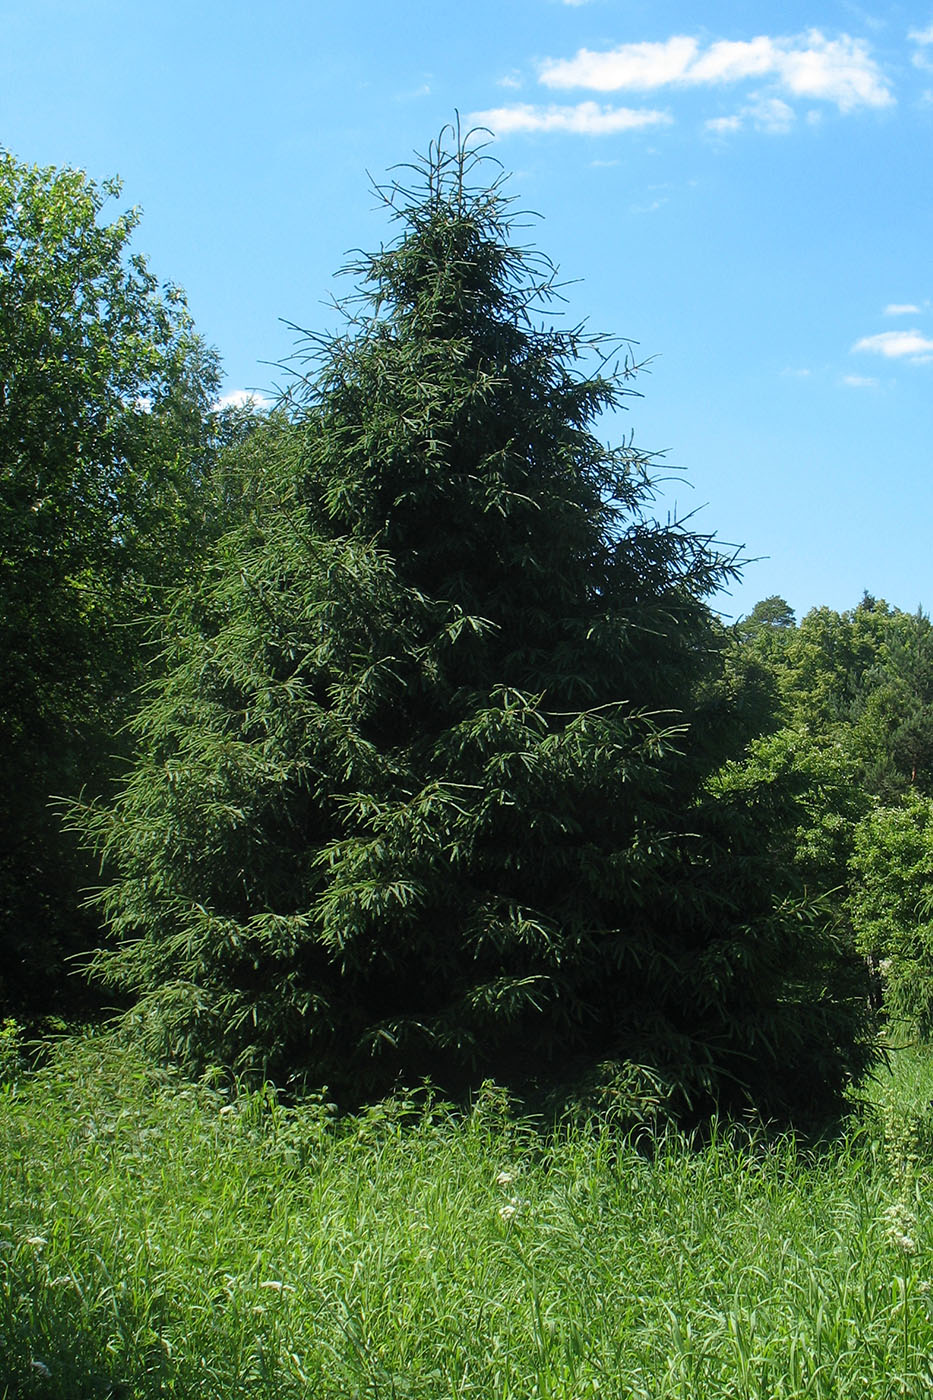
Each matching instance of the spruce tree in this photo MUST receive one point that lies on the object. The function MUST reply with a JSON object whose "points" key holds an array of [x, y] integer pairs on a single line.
{"points": [[429, 786]]}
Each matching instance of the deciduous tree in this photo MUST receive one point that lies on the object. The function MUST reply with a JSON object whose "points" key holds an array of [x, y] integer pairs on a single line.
{"points": [[104, 449]]}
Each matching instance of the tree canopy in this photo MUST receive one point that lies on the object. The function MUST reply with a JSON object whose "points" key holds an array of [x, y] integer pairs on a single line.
{"points": [[864, 676], [105, 441], [856, 687]]}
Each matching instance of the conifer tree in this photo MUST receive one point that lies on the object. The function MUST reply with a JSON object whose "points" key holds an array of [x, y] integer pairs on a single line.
{"points": [[429, 787]]}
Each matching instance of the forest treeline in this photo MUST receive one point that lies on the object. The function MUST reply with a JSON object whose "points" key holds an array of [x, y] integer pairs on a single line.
{"points": [[391, 735]]}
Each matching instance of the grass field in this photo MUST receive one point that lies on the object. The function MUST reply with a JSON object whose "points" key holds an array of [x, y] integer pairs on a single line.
{"points": [[162, 1239]]}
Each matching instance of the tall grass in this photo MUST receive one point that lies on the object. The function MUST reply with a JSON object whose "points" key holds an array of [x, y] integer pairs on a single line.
{"points": [[160, 1239]]}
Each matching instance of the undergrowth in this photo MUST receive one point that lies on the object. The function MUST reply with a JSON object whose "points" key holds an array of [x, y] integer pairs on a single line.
{"points": [[159, 1238]]}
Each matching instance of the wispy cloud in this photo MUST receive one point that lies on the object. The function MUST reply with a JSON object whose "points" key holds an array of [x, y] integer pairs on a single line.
{"points": [[859, 381], [585, 119], [898, 308], [769, 114], [897, 345], [811, 66], [922, 56]]}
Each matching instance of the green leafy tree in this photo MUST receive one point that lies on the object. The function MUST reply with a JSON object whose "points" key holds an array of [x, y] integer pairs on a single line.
{"points": [[863, 678], [105, 447], [824, 663], [859, 685], [891, 906], [771, 618], [894, 717], [783, 817], [429, 784]]}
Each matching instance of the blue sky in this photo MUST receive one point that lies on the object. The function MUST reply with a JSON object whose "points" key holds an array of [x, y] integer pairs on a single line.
{"points": [[746, 194]]}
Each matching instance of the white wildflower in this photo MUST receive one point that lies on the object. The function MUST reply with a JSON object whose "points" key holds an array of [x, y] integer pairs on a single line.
{"points": [[511, 1208], [277, 1285], [37, 1241], [505, 1178], [901, 1226]]}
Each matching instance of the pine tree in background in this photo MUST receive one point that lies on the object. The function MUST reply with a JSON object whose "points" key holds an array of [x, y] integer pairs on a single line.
{"points": [[432, 785]]}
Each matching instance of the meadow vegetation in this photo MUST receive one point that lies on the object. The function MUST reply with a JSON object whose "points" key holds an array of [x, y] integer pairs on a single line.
{"points": [[161, 1237]]}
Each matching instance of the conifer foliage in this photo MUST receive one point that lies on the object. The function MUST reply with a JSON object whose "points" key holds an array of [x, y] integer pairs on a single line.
{"points": [[428, 788]]}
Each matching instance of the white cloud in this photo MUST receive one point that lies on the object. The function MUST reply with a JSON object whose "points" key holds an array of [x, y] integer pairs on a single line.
{"points": [[242, 398], [897, 308], [586, 118], [811, 66], [837, 71], [771, 114], [764, 114], [629, 66], [921, 57], [896, 345], [859, 381], [511, 80], [728, 62]]}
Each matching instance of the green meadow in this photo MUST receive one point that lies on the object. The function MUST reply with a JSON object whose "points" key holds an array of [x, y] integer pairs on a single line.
{"points": [[165, 1238]]}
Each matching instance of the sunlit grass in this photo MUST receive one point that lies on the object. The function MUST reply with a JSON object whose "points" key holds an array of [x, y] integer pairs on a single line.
{"points": [[159, 1239]]}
